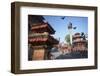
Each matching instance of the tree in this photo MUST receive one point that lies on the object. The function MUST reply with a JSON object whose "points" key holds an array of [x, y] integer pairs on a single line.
{"points": [[67, 39]]}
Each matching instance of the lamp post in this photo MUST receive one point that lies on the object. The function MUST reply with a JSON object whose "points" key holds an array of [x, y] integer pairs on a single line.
{"points": [[70, 28]]}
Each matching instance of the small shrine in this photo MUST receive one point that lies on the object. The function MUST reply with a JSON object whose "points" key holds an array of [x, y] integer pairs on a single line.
{"points": [[41, 39]]}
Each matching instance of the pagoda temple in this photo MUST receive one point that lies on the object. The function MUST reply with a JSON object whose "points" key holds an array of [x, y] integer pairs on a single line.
{"points": [[40, 37], [79, 43]]}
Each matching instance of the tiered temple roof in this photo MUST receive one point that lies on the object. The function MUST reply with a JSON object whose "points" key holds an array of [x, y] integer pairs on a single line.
{"points": [[79, 44], [42, 27], [77, 38], [40, 34], [43, 39]]}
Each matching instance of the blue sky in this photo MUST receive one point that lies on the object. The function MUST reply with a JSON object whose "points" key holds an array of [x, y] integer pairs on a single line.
{"points": [[60, 25]]}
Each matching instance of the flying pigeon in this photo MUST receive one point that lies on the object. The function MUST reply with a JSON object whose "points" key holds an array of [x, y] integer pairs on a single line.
{"points": [[63, 18], [74, 27]]}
